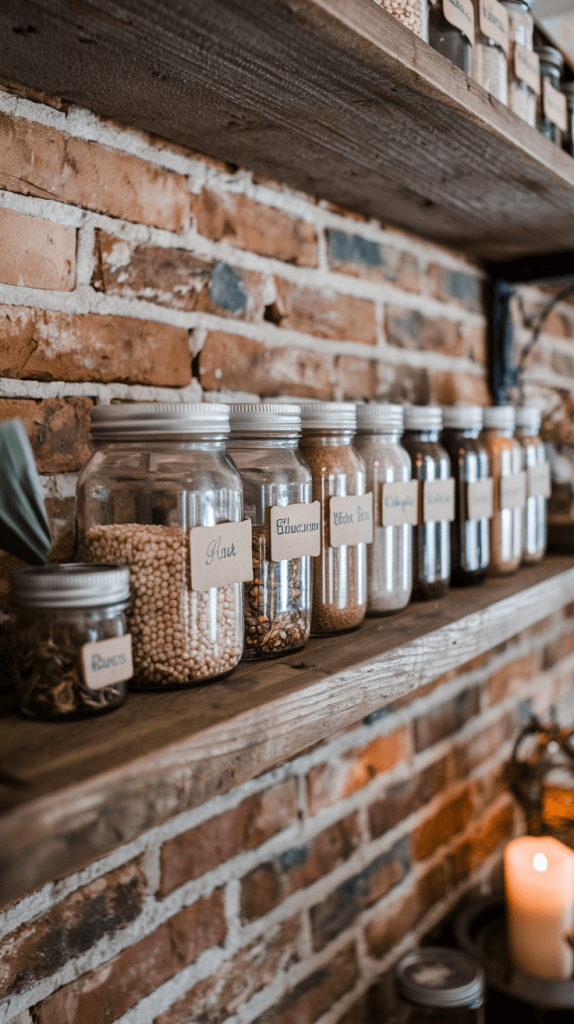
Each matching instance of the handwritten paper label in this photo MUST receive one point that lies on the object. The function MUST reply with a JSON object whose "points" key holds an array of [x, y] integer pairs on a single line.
{"points": [[295, 530], [554, 104], [539, 480], [400, 503], [527, 67], [106, 662], [493, 21], [460, 13], [479, 499], [351, 520], [438, 500], [513, 490], [220, 555]]}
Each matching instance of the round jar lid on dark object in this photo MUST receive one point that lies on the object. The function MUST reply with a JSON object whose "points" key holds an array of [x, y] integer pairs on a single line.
{"points": [[70, 585], [440, 978]]}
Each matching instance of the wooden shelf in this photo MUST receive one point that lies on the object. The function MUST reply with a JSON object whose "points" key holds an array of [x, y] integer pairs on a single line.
{"points": [[334, 97], [86, 787]]}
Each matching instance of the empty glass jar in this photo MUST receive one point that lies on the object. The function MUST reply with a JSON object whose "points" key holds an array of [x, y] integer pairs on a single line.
{"points": [[509, 489], [551, 64], [490, 55], [451, 31], [535, 462], [469, 546], [521, 97]]}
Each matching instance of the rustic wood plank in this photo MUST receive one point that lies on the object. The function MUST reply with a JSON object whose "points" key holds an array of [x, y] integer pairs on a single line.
{"points": [[92, 785], [334, 97]]}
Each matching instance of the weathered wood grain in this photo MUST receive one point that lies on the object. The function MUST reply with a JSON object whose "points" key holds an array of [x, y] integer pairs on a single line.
{"points": [[90, 786], [334, 97]]}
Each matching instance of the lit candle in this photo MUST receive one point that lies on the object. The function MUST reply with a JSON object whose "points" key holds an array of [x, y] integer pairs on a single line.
{"points": [[539, 884]]}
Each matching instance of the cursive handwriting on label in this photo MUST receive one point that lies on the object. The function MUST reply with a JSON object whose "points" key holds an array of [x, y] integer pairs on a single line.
{"points": [[460, 13], [106, 662], [493, 21], [295, 530], [351, 519], [400, 503], [220, 555], [527, 67]]}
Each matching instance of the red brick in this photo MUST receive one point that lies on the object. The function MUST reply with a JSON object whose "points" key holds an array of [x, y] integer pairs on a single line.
{"points": [[41, 161], [511, 678], [246, 826], [57, 427], [317, 993], [446, 719], [324, 313], [445, 823], [352, 254], [558, 649], [484, 744], [36, 253], [406, 797], [103, 995], [390, 927], [45, 345], [228, 361], [448, 388], [487, 835], [356, 378], [329, 782], [410, 329], [249, 225], [220, 996], [456, 286]]}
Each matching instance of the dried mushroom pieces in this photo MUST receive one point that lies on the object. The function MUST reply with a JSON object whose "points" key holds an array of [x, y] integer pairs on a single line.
{"points": [[268, 631], [50, 680]]}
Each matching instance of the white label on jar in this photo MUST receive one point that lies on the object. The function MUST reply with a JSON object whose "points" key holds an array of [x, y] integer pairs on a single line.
{"points": [[554, 104], [295, 530], [351, 520], [400, 503], [106, 662], [220, 555], [513, 490], [438, 500], [479, 496], [539, 480], [527, 67], [460, 13], [493, 21]]}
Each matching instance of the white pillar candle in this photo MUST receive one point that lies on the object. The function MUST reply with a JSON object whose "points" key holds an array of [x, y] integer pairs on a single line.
{"points": [[539, 884]]}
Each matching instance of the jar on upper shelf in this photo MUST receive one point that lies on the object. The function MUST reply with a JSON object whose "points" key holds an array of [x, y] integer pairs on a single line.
{"points": [[551, 108], [509, 489], [523, 69], [568, 137], [469, 543], [490, 54], [537, 466], [451, 31], [412, 13]]}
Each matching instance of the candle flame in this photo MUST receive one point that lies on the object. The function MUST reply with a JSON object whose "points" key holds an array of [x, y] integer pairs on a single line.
{"points": [[540, 862]]}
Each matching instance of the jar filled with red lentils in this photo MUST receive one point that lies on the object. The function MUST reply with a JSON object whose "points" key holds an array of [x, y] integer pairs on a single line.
{"points": [[162, 496]]}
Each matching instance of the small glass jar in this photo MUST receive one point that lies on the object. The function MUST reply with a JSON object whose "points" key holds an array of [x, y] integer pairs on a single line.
{"points": [[431, 462], [159, 471], [505, 457], [448, 39], [441, 985], [389, 557], [469, 546], [489, 59], [535, 462], [337, 470], [412, 13], [568, 140], [73, 650], [551, 64], [277, 604], [521, 98]]}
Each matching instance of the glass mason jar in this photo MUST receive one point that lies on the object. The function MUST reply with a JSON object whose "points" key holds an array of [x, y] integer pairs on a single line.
{"points": [[277, 603], [551, 64], [339, 573], [505, 457], [389, 557], [441, 985], [73, 650], [469, 547], [535, 462], [157, 472], [489, 59], [450, 39], [412, 13], [521, 98], [568, 140], [431, 462]]}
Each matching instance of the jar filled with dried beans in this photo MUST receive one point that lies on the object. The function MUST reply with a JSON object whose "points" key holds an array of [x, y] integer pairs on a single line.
{"points": [[412, 13], [162, 496], [285, 526], [509, 489], [537, 466], [338, 474], [431, 467], [469, 545], [395, 507]]}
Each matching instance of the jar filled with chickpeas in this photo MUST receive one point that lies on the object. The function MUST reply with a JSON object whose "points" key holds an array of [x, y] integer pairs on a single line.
{"points": [[412, 13], [162, 496]]}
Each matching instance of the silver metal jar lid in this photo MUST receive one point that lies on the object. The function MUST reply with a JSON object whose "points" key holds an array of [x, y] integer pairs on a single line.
{"points": [[529, 418], [330, 415], [379, 416], [440, 978], [462, 417], [501, 417], [148, 420], [264, 416], [423, 417], [550, 55], [71, 585]]}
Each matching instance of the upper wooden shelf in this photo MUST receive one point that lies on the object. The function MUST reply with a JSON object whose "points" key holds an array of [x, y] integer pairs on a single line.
{"points": [[87, 787], [334, 97]]}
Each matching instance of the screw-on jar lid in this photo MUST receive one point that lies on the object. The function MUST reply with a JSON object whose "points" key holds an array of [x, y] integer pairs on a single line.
{"points": [[550, 55], [423, 417], [264, 416], [132, 421], [328, 415], [462, 417], [71, 585], [440, 978], [529, 418], [501, 417], [379, 416]]}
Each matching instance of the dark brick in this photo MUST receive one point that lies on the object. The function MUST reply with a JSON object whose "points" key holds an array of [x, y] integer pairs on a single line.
{"points": [[387, 930], [558, 649], [352, 254], [476, 749], [58, 429], [402, 384], [446, 719], [449, 285], [489, 833], [512, 677], [359, 1012], [317, 993], [404, 798], [409, 329]]}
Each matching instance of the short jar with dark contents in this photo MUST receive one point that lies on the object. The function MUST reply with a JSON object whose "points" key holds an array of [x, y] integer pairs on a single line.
{"points": [[535, 462], [431, 463], [158, 472], [508, 492], [73, 650], [469, 543], [339, 573], [277, 603], [389, 557]]}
